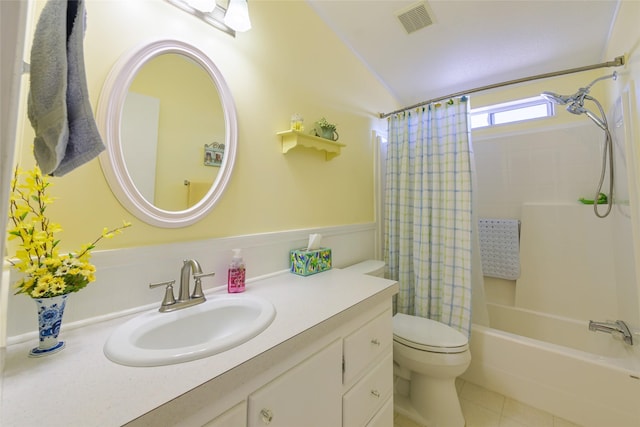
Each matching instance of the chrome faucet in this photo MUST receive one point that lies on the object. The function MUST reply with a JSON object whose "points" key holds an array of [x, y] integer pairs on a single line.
{"points": [[618, 329], [187, 266], [169, 303]]}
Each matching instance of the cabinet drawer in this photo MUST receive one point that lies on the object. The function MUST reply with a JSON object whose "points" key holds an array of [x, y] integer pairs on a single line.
{"points": [[361, 402], [234, 417], [366, 344], [384, 417]]}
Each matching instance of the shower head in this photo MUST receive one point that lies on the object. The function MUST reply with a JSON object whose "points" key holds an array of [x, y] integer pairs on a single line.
{"points": [[575, 102], [557, 99], [575, 105], [576, 97]]}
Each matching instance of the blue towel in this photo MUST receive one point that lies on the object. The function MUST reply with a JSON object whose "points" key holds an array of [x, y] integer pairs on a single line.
{"points": [[58, 106]]}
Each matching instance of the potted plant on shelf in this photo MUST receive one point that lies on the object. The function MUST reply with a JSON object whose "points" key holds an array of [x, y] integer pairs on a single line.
{"points": [[324, 129], [48, 276]]}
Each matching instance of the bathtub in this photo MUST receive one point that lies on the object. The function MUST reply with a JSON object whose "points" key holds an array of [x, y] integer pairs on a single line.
{"points": [[556, 364]]}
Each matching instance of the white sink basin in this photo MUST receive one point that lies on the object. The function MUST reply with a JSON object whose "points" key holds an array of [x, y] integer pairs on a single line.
{"points": [[219, 324]]}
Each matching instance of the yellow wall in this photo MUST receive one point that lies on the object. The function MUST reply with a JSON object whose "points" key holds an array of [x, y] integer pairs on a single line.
{"points": [[289, 62], [565, 85]]}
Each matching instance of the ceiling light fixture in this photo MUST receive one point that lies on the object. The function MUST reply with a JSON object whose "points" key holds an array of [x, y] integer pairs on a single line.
{"points": [[237, 16], [226, 15]]}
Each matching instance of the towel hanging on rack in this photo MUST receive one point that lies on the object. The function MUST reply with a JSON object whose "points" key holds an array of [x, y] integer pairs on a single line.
{"points": [[500, 247], [58, 104]]}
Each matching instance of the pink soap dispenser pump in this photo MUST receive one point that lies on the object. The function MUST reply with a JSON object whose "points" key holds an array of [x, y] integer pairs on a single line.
{"points": [[235, 278]]}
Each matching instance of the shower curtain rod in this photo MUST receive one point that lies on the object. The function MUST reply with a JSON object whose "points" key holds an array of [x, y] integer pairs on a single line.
{"points": [[617, 62]]}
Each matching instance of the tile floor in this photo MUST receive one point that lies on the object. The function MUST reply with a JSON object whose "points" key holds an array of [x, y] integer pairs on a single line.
{"points": [[485, 408]]}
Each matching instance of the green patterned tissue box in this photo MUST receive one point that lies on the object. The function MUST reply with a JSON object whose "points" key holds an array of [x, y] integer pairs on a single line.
{"points": [[306, 263]]}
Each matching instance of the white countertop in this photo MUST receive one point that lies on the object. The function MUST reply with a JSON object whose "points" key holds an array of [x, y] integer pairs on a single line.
{"points": [[80, 387]]}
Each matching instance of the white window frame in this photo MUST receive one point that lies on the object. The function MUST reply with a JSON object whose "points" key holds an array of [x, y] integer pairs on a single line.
{"points": [[491, 110]]}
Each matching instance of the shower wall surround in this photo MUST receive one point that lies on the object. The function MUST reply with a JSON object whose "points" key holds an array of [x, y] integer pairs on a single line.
{"points": [[556, 241], [553, 166]]}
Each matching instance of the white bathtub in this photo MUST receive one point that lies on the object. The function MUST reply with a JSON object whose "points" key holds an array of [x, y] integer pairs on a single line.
{"points": [[556, 364]]}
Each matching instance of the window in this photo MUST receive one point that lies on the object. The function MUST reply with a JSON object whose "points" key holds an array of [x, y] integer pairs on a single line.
{"points": [[510, 112]]}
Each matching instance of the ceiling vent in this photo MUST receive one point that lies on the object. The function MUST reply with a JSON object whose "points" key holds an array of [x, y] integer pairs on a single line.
{"points": [[414, 17]]}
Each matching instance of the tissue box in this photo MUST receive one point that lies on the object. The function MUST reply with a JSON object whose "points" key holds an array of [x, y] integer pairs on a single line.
{"points": [[306, 263]]}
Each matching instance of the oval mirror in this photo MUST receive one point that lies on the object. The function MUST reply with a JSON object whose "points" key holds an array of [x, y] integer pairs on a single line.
{"points": [[170, 128]]}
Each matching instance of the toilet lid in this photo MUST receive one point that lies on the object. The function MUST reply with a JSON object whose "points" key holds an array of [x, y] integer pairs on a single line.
{"points": [[428, 335], [369, 266]]}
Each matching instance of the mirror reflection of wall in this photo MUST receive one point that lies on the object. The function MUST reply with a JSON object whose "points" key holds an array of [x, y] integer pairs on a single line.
{"points": [[140, 123], [189, 115]]}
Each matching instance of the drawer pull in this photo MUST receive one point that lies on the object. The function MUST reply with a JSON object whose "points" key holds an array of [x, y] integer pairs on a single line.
{"points": [[376, 393], [266, 415], [375, 341]]}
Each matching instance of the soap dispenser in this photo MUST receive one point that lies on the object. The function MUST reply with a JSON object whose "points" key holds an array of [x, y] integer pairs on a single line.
{"points": [[235, 278]]}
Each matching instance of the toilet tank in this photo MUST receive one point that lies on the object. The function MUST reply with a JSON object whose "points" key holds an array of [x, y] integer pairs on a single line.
{"points": [[372, 267]]}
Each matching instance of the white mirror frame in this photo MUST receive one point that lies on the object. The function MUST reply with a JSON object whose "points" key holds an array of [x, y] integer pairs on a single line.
{"points": [[108, 117]]}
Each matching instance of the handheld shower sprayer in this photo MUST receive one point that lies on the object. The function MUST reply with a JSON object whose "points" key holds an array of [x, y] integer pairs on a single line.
{"points": [[578, 109], [575, 102], [575, 105]]}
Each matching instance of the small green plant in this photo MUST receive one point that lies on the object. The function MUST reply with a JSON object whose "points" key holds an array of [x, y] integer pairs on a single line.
{"points": [[324, 129], [324, 124]]}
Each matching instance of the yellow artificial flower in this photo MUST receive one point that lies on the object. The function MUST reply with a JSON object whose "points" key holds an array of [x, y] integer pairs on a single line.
{"points": [[46, 273], [58, 286], [40, 290], [106, 234]]}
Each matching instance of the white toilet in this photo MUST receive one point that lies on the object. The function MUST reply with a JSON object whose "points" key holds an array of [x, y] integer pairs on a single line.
{"points": [[428, 356]]}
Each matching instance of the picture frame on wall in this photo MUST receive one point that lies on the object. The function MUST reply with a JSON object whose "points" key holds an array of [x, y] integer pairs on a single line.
{"points": [[213, 154]]}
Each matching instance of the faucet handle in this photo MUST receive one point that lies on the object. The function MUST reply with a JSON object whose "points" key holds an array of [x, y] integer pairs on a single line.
{"points": [[168, 299], [197, 288], [201, 275], [158, 284]]}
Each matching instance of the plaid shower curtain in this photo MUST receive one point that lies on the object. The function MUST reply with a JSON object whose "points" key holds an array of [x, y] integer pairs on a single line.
{"points": [[428, 199]]}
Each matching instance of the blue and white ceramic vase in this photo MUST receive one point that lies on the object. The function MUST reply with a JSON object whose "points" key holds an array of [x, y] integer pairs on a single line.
{"points": [[50, 311]]}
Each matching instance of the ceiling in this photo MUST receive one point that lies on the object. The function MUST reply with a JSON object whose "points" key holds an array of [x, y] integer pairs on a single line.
{"points": [[471, 43]]}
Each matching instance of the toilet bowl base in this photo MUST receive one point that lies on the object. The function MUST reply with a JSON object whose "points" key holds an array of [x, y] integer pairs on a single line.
{"points": [[402, 405], [436, 400]]}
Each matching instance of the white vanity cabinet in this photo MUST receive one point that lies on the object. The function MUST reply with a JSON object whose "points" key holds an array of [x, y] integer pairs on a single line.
{"points": [[318, 392], [348, 383], [308, 395], [368, 374], [338, 372], [234, 417], [384, 417], [325, 360]]}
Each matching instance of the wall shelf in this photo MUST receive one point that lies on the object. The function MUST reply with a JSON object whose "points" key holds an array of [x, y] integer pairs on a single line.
{"points": [[293, 138]]}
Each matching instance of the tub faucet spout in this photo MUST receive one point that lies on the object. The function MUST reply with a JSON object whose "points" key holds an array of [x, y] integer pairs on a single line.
{"points": [[618, 328]]}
